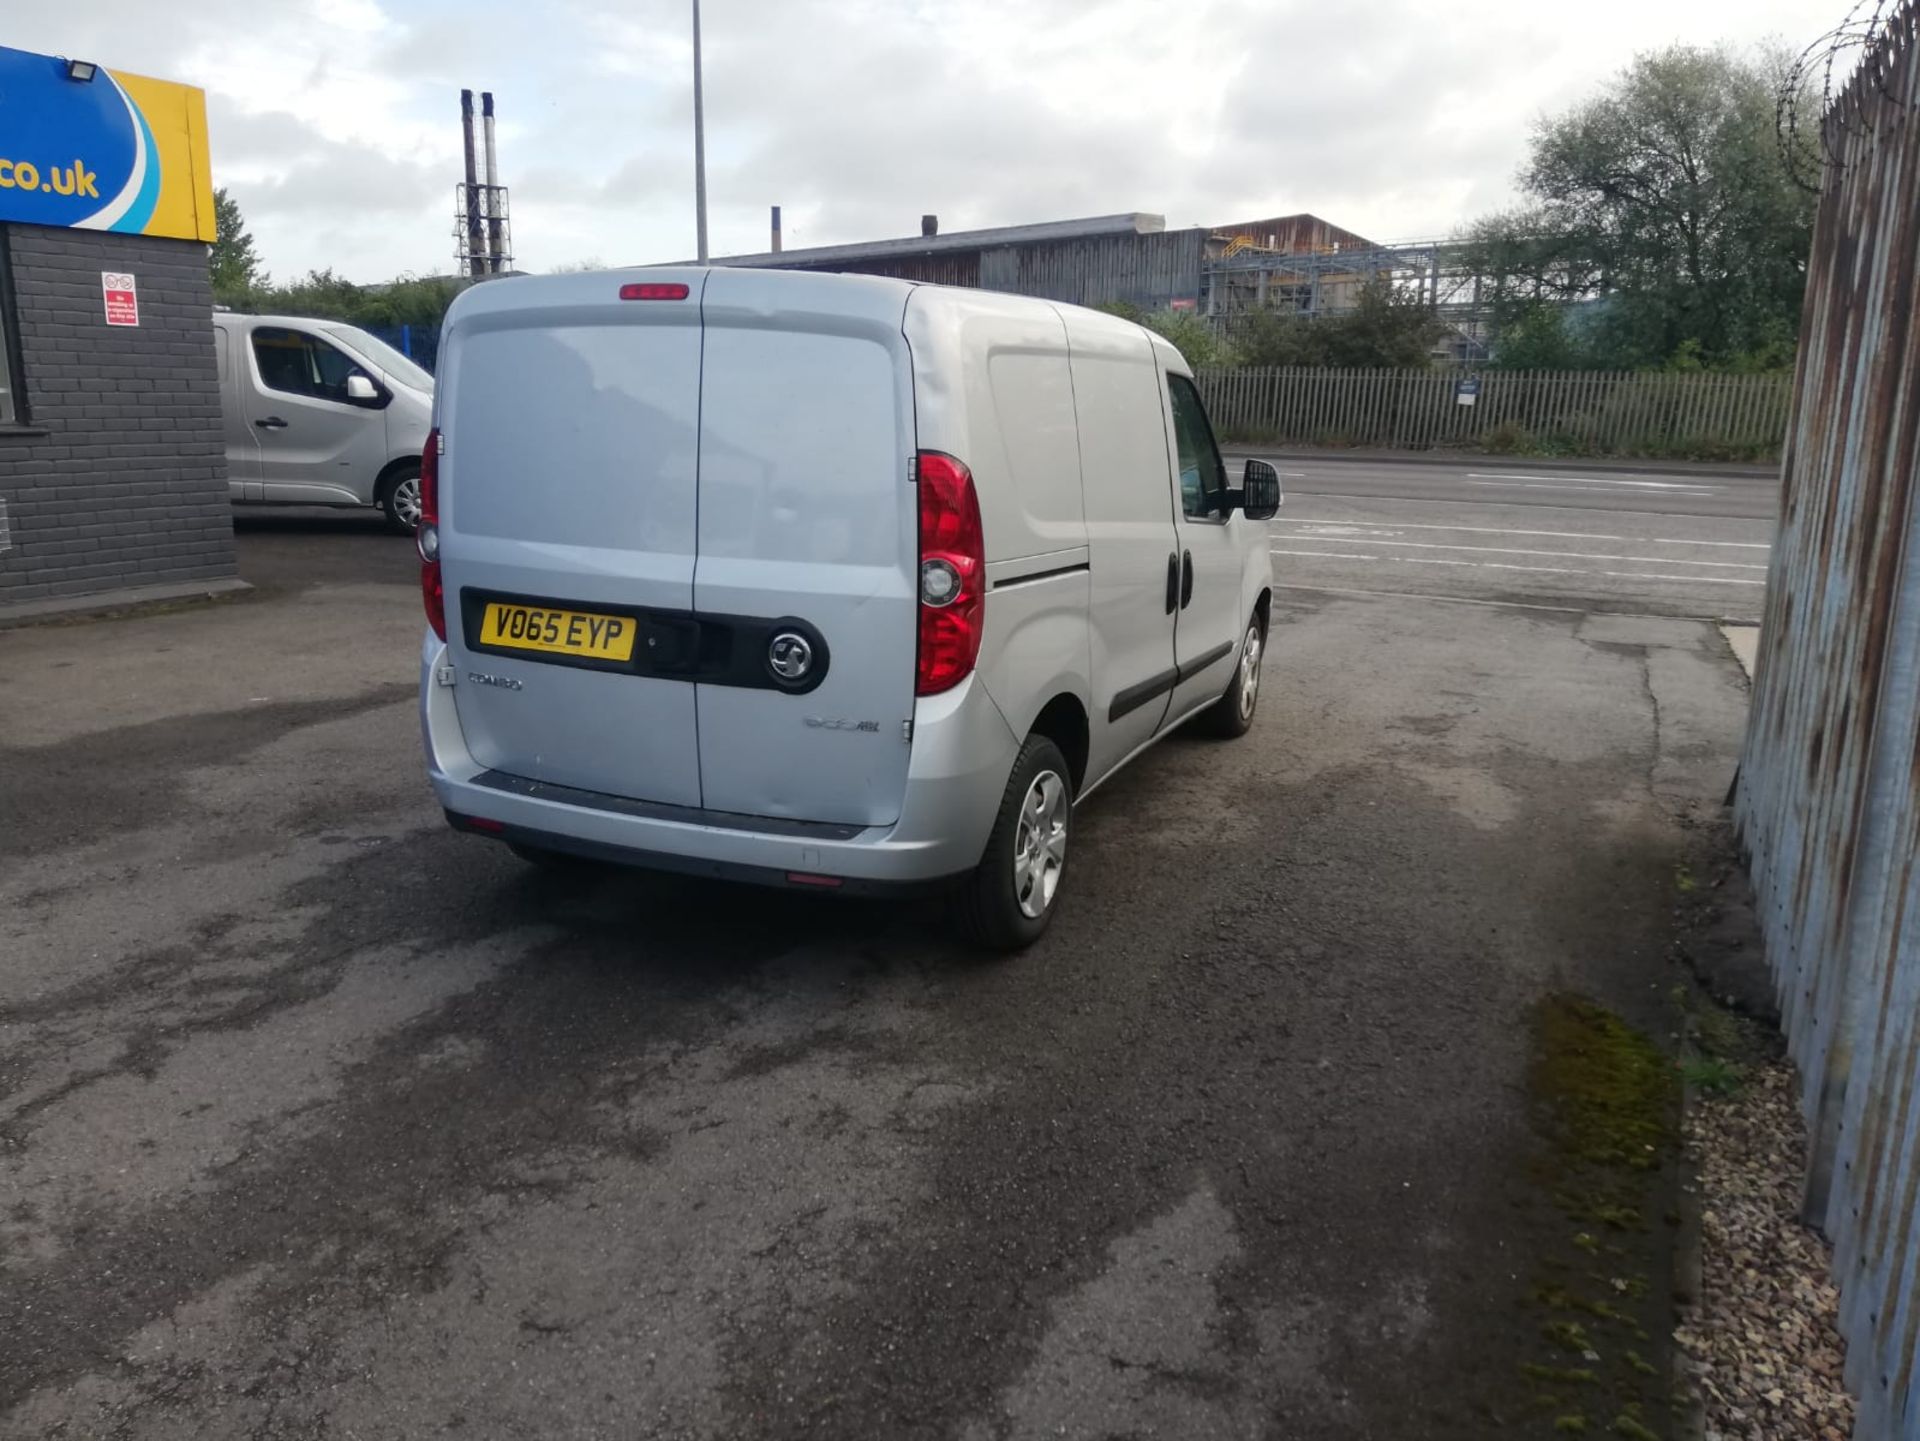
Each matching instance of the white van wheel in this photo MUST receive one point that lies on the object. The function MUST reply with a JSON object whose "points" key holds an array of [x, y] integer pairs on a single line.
{"points": [[400, 500], [1011, 896]]}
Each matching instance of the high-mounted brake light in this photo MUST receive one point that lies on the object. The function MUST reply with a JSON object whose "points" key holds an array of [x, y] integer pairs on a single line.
{"points": [[952, 573], [653, 290], [427, 536]]}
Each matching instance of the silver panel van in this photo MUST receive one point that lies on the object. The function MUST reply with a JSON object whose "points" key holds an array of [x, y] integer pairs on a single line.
{"points": [[827, 581], [319, 412]]}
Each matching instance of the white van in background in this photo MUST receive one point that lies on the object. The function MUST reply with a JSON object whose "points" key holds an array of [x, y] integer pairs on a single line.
{"points": [[821, 580], [319, 412]]}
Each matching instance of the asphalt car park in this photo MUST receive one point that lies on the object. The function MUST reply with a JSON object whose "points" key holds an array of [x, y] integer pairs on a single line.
{"points": [[317, 1118]]}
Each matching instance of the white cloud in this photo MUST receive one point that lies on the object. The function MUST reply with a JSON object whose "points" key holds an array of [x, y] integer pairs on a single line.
{"points": [[336, 121]]}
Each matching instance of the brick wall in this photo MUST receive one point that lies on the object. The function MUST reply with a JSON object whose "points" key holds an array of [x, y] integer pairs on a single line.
{"points": [[116, 474]]}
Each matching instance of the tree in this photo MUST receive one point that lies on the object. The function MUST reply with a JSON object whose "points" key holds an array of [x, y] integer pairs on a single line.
{"points": [[1385, 327], [1665, 198], [232, 263], [405, 300]]}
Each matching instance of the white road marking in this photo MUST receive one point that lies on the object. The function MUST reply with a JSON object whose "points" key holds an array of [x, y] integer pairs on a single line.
{"points": [[1425, 596], [1598, 480], [1562, 554], [1598, 488], [1394, 527], [1534, 569]]}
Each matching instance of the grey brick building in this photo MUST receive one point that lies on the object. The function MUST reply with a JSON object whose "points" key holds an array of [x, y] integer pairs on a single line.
{"points": [[112, 458]]}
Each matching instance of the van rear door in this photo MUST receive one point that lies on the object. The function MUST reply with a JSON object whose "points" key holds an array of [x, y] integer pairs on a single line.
{"points": [[807, 533], [568, 488]]}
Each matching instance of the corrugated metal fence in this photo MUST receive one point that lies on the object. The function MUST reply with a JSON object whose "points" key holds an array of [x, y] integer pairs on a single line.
{"points": [[1714, 416], [1828, 805]]}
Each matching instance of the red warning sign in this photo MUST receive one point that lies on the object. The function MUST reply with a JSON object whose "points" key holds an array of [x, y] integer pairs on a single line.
{"points": [[123, 304]]}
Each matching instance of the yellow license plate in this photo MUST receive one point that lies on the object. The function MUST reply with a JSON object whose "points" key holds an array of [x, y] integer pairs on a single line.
{"points": [[563, 632]]}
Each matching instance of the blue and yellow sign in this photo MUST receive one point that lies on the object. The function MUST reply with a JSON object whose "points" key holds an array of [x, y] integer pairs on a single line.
{"points": [[113, 152]]}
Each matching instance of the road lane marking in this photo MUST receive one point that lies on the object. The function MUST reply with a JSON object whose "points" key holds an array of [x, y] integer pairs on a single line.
{"points": [[1533, 569], [1424, 596], [1596, 480], [1400, 525], [1477, 529], [1595, 489], [1563, 554]]}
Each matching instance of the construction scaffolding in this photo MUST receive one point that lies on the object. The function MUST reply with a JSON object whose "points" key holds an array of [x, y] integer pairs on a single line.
{"points": [[1314, 271]]}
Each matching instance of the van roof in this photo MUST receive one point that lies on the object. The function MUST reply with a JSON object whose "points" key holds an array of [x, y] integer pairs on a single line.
{"points": [[816, 286]]}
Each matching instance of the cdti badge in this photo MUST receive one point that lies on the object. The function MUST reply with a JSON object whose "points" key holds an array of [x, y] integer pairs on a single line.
{"points": [[112, 152]]}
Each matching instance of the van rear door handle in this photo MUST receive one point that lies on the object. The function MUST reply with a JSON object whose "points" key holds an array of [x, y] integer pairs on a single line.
{"points": [[272, 422], [1173, 583], [1186, 578]]}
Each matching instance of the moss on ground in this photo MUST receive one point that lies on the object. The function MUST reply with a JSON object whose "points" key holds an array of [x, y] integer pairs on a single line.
{"points": [[1608, 1110], [1608, 1090]]}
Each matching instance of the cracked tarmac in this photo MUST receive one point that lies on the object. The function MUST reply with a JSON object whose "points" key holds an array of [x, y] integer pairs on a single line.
{"points": [[319, 1120]]}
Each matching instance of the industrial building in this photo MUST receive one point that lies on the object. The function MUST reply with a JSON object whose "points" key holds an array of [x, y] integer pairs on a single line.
{"points": [[1291, 262], [113, 468]]}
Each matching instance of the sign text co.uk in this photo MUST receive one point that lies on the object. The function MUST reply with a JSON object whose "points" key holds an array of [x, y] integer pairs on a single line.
{"points": [[87, 148]]}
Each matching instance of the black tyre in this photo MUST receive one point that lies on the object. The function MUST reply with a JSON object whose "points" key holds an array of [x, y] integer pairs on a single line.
{"points": [[1232, 715], [399, 499], [1011, 896]]}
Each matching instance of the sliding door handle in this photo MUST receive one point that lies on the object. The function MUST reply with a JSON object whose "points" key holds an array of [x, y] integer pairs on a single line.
{"points": [[1186, 579]]}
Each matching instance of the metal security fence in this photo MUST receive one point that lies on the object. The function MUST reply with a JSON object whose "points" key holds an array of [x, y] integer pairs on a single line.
{"points": [[1593, 412], [1828, 803]]}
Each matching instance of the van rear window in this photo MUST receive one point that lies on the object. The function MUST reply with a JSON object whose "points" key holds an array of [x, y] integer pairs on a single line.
{"points": [[583, 435]]}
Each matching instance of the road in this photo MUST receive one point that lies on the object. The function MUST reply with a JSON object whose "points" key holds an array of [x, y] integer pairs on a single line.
{"points": [[318, 1119], [1683, 543], [1724, 492]]}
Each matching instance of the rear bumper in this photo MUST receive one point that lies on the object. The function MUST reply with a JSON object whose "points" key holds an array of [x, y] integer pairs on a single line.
{"points": [[963, 751]]}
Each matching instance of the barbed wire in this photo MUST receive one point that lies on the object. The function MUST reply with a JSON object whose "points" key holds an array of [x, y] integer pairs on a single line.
{"points": [[1825, 93]]}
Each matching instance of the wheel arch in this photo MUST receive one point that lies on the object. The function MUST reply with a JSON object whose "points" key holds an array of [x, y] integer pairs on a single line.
{"points": [[390, 474], [1063, 720]]}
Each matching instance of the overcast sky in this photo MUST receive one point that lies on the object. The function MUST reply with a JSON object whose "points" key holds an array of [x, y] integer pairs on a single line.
{"points": [[336, 122]]}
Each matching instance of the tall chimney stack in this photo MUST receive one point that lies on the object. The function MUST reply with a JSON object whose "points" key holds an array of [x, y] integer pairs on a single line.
{"points": [[776, 230], [929, 225], [476, 254], [496, 249]]}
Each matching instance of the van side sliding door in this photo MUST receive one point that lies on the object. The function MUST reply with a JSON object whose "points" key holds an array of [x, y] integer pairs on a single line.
{"points": [[1130, 536]]}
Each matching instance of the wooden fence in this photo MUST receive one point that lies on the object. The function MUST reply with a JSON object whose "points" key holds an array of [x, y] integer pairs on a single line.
{"points": [[1588, 412]]}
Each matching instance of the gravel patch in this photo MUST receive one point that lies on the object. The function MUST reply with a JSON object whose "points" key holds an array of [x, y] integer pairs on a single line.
{"points": [[1761, 1339]]}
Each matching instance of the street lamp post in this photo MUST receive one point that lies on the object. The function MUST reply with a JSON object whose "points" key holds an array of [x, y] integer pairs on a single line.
{"points": [[699, 146]]}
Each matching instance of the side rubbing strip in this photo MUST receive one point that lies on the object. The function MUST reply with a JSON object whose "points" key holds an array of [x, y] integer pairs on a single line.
{"points": [[1135, 696], [1200, 663], [1041, 575]]}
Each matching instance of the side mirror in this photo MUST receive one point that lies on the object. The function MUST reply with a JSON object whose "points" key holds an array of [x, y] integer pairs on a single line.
{"points": [[1259, 495], [360, 390]]}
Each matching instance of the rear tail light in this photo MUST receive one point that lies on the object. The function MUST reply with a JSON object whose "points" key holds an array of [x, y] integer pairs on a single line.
{"points": [[427, 537], [952, 574]]}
